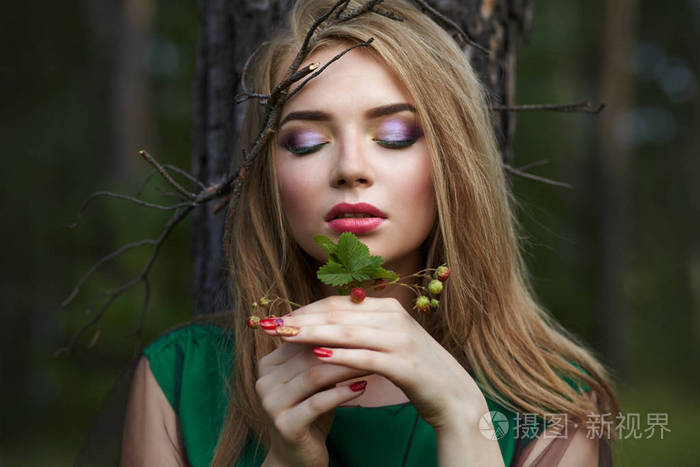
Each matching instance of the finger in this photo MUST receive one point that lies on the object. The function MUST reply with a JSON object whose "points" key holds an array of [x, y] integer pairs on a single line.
{"points": [[386, 364], [279, 356], [283, 373], [338, 301], [334, 335], [295, 420], [319, 377], [374, 319]]}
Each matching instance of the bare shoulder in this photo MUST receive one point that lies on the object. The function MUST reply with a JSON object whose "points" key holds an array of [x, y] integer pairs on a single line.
{"points": [[566, 446], [152, 433]]}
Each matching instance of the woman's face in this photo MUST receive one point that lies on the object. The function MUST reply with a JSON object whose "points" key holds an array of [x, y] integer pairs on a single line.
{"points": [[344, 139]]}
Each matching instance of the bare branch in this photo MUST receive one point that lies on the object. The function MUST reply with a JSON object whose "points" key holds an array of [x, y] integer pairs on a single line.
{"points": [[445, 21], [304, 50], [166, 176], [185, 174], [178, 170], [109, 194], [341, 9], [298, 88], [99, 263], [586, 107], [520, 173], [532, 165], [244, 96], [112, 295], [388, 14], [169, 194], [344, 16]]}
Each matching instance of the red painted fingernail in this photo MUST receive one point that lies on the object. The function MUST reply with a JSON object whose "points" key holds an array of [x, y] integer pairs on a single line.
{"points": [[271, 323], [358, 386], [321, 352]]}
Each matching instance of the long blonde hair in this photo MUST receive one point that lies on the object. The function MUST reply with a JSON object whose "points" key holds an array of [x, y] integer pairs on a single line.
{"points": [[488, 319]]}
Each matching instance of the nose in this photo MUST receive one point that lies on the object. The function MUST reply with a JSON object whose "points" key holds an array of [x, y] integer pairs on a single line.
{"points": [[352, 167]]}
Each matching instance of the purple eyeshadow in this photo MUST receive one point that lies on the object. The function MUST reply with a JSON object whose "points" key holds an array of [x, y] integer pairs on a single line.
{"points": [[300, 139], [398, 130]]}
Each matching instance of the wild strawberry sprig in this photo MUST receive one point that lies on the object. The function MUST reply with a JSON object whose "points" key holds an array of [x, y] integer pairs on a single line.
{"points": [[351, 269], [266, 303]]}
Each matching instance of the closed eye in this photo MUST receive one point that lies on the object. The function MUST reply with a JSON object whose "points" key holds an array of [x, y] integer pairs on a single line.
{"points": [[395, 144]]}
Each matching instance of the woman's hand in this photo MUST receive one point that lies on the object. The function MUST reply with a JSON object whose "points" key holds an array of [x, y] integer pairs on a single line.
{"points": [[379, 336], [294, 389]]}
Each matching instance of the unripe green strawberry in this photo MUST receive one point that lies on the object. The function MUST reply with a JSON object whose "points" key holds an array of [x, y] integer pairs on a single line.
{"points": [[264, 302], [442, 273], [380, 283], [434, 303], [422, 303], [253, 322], [357, 295], [435, 287]]}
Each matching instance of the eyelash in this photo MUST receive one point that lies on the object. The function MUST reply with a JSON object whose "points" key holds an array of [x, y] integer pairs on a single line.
{"points": [[302, 151]]}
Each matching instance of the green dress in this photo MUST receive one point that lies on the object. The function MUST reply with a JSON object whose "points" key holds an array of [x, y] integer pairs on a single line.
{"points": [[192, 365]]}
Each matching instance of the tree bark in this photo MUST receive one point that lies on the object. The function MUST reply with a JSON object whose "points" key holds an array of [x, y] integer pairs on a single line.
{"points": [[617, 89], [230, 31]]}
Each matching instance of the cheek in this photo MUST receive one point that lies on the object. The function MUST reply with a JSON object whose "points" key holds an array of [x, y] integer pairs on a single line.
{"points": [[297, 190], [415, 187]]}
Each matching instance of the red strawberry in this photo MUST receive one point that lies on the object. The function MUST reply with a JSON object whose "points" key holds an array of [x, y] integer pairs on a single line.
{"points": [[380, 283], [442, 273], [253, 322], [357, 295]]}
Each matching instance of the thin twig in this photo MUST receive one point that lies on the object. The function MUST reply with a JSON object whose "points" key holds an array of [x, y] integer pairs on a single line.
{"points": [[440, 18], [114, 294], [166, 176], [586, 107], [341, 9], [388, 14], [244, 96], [344, 16], [169, 194], [515, 171], [303, 83], [532, 165], [174, 169], [109, 194], [185, 174], [102, 261]]}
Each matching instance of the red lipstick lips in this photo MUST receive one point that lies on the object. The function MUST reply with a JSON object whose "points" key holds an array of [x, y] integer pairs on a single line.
{"points": [[356, 225]]}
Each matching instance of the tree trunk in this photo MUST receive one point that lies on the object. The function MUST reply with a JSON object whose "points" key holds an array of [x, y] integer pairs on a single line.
{"points": [[617, 90], [229, 33]]}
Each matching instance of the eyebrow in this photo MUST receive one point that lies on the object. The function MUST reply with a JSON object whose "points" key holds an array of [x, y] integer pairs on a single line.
{"points": [[320, 116]]}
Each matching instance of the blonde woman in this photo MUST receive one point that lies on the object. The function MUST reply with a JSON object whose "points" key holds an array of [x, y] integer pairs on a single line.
{"points": [[398, 132]]}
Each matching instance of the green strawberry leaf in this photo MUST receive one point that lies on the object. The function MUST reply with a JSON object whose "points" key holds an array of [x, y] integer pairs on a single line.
{"points": [[354, 254], [381, 273], [326, 244], [349, 263], [334, 274], [328, 247]]}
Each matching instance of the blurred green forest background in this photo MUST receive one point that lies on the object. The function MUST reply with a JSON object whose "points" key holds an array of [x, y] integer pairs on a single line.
{"points": [[85, 85]]}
